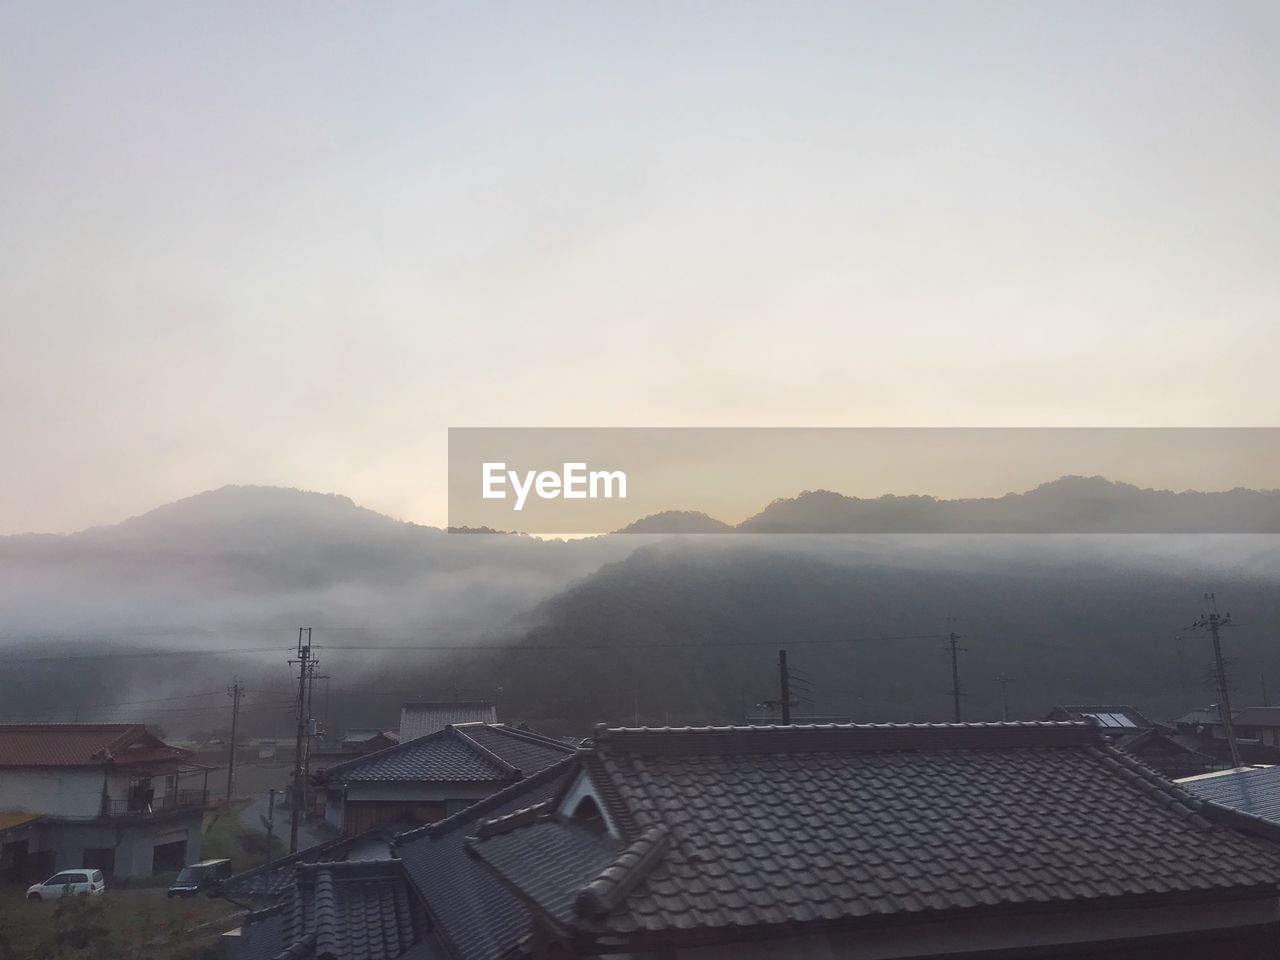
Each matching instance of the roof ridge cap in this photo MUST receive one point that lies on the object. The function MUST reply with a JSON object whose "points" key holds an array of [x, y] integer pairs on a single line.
{"points": [[514, 820], [1134, 770], [531, 736], [325, 906], [612, 885]]}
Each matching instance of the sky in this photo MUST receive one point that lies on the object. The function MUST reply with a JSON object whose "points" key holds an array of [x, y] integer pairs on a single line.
{"points": [[294, 243]]}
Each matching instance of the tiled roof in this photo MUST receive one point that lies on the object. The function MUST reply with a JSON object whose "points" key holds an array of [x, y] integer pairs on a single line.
{"points": [[355, 910], [478, 916], [465, 753], [756, 827], [272, 879], [1251, 791], [82, 744], [424, 718]]}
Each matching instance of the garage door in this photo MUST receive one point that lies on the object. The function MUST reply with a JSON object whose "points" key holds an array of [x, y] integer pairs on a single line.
{"points": [[168, 857]]}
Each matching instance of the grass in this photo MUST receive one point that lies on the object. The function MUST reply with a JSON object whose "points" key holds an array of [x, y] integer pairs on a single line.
{"points": [[225, 836], [140, 924]]}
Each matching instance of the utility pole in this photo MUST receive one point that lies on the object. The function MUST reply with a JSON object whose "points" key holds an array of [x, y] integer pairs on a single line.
{"points": [[303, 661], [1215, 623], [953, 639], [235, 692], [784, 687], [269, 821], [312, 727], [1004, 680]]}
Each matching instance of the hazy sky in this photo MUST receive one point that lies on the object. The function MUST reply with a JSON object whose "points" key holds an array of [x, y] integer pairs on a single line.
{"points": [[291, 243]]}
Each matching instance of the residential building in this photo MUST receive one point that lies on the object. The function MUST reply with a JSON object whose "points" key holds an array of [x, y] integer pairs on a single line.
{"points": [[106, 796], [1258, 723], [1162, 746], [886, 841], [437, 901], [424, 717], [434, 776], [360, 741]]}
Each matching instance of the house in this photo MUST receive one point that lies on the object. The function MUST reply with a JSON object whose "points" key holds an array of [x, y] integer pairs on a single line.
{"points": [[108, 796], [421, 718], [1161, 746], [449, 906], [433, 776], [360, 741], [1258, 723], [1172, 754], [884, 841]]}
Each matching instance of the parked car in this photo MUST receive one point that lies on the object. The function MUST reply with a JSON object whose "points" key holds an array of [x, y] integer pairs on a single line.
{"points": [[199, 876], [68, 882]]}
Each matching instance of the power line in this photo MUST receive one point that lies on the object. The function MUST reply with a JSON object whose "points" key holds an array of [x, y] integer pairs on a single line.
{"points": [[427, 647], [137, 655]]}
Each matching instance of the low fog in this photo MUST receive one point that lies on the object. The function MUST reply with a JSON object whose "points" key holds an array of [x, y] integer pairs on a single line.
{"points": [[152, 611]]}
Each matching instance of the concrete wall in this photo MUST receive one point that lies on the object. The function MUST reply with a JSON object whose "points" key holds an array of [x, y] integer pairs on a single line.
{"points": [[133, 841], [60, 791], [67, 791]]}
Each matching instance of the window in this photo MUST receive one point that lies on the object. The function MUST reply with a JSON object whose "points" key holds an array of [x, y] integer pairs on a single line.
{"points": [[97, 876]]}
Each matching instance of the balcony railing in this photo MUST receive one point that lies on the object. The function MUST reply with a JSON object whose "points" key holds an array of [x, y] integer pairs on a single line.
{"points": [[182, 800]]}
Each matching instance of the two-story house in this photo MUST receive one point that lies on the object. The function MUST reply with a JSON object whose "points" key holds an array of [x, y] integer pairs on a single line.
{"points": [[108, 796]]}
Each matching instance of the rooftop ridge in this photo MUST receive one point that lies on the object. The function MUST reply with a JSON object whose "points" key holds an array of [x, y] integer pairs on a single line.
{"points": [[514, 821], [326, 914], [610, 887], [851, 737]]}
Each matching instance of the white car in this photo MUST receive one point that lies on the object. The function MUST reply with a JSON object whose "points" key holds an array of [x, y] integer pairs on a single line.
{"points": [[68, 882]]}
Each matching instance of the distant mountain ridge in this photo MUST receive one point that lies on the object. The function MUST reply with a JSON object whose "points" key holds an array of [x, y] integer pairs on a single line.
{"points": [[1070, 504]]}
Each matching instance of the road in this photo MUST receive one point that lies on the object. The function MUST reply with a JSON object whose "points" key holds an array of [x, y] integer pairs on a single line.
{"points": [[309, 834]]}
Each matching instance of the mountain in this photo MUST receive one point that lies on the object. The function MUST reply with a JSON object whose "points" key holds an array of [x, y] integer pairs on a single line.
{"points": [[565, 633], [678, 521], [1066, 505], [688, 632], [245, 567]]}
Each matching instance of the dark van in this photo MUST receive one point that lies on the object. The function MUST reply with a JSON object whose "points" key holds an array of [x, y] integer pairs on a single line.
{"points": [[199, 876]]}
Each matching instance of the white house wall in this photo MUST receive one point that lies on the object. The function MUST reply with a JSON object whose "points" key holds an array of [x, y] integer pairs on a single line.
{"points": [[63, 792]]}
